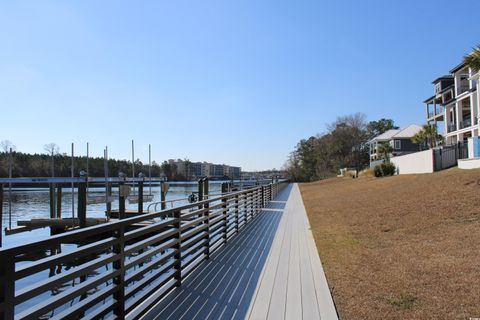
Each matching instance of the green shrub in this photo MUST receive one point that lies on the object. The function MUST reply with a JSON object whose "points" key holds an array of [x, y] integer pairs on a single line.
{"points": [[384, 169], [377, 171]]}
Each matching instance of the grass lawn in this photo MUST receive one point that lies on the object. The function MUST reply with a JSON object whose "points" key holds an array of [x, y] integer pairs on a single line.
{"points": [[403, 247]]}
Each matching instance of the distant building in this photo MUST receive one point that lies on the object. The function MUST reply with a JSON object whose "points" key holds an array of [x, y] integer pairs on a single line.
{"points": [[205, 169], [399, 139]]}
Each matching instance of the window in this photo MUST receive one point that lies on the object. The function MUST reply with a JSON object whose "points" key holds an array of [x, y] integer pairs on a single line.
{"points": [[398, 144]]}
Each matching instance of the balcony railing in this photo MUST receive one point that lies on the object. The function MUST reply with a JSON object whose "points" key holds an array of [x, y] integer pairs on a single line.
{"points": [[463, 88], [451, 127], [467, 122]]}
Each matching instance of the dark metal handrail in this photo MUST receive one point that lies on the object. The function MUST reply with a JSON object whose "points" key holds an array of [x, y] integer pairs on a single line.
{"points": [[121, 269]]}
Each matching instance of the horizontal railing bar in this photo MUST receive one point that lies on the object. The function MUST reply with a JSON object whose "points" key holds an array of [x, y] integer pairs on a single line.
{"points": [[79, 308], [139, 273], [188, 251], [151, 252], [148, 229], [217, 231], [193, 223], [216, 245], [149, 241], [192, 266], [102, 311], [193, 213], [59, 279], [153, 295], [142, 283], [63, 257], [193, 232], [45, 306], [191, 241], [192, 258]]}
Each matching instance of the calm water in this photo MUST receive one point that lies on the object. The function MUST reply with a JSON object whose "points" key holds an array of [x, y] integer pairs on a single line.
{"points": [[34, 203]]}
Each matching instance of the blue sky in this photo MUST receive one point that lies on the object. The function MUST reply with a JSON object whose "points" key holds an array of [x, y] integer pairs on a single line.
{"points": [[235, 82]]}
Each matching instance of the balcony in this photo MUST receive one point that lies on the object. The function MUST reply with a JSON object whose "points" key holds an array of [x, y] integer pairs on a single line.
{"points": [[467, 122], [451, 127], [462, 88], [438, 111]]}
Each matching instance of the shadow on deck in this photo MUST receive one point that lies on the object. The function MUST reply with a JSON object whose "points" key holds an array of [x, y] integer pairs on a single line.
{"points": [[223, 287]]}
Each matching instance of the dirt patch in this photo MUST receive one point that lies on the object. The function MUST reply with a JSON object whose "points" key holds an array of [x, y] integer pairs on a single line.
{"points": [[403, 247]]}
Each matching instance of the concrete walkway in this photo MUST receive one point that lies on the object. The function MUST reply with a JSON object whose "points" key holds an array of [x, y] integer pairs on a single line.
{"points": [[292, 284], [271, 270]]}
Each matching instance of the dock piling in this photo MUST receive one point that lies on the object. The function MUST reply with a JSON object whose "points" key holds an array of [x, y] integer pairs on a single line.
{"points": [[59, 202], [82, 204]]}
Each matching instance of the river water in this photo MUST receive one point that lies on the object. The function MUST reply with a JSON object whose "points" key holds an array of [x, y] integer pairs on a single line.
{"points": [[34, 203]]}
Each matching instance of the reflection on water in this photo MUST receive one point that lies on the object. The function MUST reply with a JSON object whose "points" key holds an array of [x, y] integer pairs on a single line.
{"points": [[34, 203]]}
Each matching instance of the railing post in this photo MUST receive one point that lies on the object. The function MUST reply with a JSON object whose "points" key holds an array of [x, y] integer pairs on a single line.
{"points": [[249, 205], [121, 200], [51, 188], [263, 196], [163, 193], [140, 197], [178, 247], [236, 214], [7, 288], [225, 218], [119, 280], [206, 206], [205, 188], [200, 191]]}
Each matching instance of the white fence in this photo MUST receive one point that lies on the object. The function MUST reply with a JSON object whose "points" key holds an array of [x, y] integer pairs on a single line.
{"points": [[418, 162]]}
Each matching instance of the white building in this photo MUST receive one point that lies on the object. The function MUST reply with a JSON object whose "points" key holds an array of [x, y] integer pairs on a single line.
{"points": [[454, 107]]}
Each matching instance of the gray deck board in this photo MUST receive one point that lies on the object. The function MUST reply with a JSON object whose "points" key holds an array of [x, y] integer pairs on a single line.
{"points": [[270, 270]]}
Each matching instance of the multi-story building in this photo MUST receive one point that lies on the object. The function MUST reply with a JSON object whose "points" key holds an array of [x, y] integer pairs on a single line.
{"points": [[454, 107], [196, 170], [234, 172]]}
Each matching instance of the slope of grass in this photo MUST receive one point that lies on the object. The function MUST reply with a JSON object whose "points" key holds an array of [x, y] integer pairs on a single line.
{"points": [[403, 247]]}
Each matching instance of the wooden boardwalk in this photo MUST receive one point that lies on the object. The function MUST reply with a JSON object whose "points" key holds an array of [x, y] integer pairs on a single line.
{"points": [[271, 270]]}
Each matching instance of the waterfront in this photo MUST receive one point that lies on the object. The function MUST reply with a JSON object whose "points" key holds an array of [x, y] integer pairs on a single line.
{"points": [[29, 204]]}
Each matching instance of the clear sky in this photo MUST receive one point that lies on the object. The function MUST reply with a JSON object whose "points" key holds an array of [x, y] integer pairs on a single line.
{"points": [[234, 82]]}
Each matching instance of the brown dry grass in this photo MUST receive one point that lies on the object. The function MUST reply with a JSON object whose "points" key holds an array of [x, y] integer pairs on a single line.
{"points": [[403, 247]]}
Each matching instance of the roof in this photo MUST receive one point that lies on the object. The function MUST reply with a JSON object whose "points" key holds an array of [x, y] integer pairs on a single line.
{"points": [[408, 131], [458, 67], [445, 77], [387, 135]]}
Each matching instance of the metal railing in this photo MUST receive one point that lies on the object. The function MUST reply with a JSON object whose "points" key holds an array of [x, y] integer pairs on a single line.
{"points": [[121, 269], [451, 127], [467, 122]]}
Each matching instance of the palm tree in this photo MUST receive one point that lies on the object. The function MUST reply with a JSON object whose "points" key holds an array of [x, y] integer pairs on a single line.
{"points": [[419, 138], [473, 59], [385, 149], [427, 136]]}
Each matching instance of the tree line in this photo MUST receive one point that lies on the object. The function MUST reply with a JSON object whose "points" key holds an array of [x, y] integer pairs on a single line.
{"points": [[40, 165], [343, 145]]}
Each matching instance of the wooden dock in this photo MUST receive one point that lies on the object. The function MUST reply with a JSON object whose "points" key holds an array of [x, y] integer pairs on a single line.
{"points": [[270, 271]]}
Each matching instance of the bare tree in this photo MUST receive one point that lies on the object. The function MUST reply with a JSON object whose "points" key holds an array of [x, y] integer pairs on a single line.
{"points": [[53, 150], [6, 145]]}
